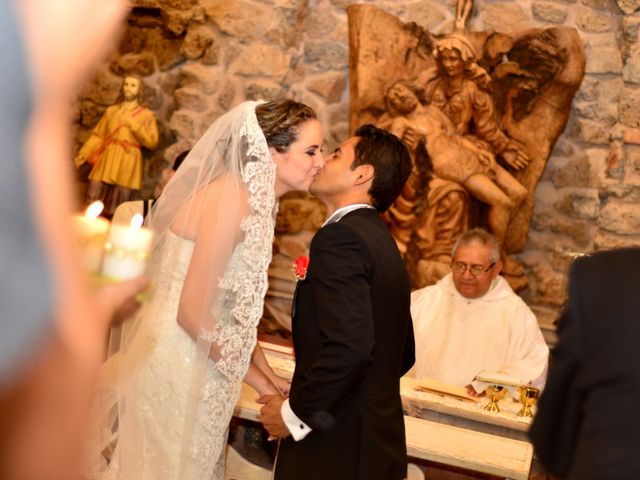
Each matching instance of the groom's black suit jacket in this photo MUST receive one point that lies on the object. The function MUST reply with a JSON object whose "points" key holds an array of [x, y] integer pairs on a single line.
{"points": [[588, 421], [353, 340]]}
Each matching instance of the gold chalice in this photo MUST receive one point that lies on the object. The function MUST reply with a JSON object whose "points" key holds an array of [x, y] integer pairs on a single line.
{"points": [[528, 396], [495, 393]]}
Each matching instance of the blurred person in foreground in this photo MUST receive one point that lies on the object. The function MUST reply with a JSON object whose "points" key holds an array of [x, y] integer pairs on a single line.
{"points": [[588, 423], [53, 325]]}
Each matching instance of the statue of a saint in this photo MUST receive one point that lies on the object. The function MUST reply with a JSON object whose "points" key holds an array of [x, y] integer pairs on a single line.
{"points": [[114, 148]]}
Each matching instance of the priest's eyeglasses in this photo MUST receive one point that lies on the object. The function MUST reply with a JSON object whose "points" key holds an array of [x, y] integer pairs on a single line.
{"points": [[475, 269]]}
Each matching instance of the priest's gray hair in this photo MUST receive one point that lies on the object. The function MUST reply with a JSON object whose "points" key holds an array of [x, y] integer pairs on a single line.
{"points": [[478, 236]]}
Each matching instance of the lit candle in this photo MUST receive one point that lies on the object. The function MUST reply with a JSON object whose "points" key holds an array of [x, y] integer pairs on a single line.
{"points": [[91, 231], [127, 250]]}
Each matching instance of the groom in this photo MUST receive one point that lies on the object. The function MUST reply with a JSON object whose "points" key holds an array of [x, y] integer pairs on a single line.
{"points": [[352, 330]]}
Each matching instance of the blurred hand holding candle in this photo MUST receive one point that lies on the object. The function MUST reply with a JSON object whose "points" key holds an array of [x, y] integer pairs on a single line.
{"points": [[127, 250], [91, 231]]}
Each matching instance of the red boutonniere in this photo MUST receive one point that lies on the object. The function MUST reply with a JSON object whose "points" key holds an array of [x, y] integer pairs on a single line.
{"points": [[300, 267]]}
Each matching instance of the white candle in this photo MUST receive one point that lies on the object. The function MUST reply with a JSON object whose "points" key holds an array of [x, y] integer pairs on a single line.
{"points": [[91, 231], [127, 250]]}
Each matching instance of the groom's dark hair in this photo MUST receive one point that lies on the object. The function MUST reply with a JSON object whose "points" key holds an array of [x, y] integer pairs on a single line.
{"points": [[390, 160]]}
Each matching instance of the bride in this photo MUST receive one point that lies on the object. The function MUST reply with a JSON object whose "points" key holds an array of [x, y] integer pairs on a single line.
{"points": [[166, 398]]}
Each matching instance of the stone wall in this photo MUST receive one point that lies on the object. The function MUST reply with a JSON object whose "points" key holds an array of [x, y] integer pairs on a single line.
{"points": [[200, 57]]}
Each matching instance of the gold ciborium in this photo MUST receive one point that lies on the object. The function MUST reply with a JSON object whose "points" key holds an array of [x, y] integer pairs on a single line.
{"points": [[495, 393], [528, 397]]}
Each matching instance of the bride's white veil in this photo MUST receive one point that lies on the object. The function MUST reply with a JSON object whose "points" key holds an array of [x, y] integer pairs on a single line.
{"points": [[223, 194]]}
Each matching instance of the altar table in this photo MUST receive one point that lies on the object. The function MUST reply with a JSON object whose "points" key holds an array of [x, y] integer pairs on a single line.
{"points": [[441, 443], [466, 414], [442, 429]]}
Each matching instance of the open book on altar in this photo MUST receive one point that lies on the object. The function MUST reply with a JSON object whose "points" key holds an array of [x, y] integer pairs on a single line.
{"points": [[485, 379], [497, 378], [435, 386]]}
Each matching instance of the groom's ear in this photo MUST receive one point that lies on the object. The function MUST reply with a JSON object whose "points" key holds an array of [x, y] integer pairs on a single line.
{"points": [[363, 174]]}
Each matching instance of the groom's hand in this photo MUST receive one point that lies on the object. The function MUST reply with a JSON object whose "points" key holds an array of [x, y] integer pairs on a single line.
{"points": [[270, 416]]}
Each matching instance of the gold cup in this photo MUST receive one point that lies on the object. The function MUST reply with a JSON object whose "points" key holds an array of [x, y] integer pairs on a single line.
{"points": [[528, 397], [495, 393]]}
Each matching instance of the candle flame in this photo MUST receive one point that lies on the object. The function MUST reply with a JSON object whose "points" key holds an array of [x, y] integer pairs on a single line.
{"points": [[93, 210], [136, 221]]}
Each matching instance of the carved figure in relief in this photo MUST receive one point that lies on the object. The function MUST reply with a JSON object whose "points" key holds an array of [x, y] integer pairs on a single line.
{"points": [[426, 200], [508, 94], [458, 91], [451, 156], [114, 148], [463, 11]]}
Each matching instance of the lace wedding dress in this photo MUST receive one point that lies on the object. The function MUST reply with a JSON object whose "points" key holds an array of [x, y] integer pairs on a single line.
{"points": [[164, 404], [162, 387]]}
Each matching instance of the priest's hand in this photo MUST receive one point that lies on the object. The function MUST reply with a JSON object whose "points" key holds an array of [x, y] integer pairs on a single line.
{"points": [[472, 392], [271, 416]]}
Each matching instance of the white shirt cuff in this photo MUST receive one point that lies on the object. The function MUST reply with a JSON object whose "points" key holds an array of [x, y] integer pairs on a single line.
{"points": [[297, 427]]}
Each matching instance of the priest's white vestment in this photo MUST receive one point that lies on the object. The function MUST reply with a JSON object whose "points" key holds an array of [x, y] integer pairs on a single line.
{"points": [[458, 337]]}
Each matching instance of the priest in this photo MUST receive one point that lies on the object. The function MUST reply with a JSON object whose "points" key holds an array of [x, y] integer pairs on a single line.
{"points": [[471, 322]]}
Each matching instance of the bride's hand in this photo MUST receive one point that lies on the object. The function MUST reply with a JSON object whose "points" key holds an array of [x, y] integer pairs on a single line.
{"points": [[282, 384], [269, 388]]}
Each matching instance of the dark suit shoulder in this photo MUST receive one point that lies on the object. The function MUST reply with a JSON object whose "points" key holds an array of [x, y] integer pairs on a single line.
{"points": [[356, 225], [608, 268], [367, 224], [365, 227], [628, 258], [336, 232], [340, 242]]}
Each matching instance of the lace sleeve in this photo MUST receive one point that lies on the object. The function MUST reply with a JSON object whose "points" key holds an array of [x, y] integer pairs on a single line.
{"points": [[231, 220], [216, 234]]}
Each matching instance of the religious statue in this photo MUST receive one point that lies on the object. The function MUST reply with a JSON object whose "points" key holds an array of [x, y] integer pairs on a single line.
{"points": [[480, 113], [113, 150], [463, 11], [443, 161], [460, 132]]}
